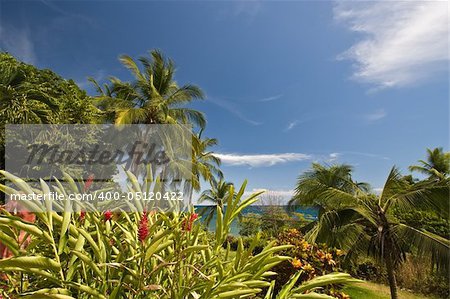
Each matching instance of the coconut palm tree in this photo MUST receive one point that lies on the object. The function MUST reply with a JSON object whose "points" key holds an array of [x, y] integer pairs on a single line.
{"points": [[217, 195], [153, 97], [363, 223], [204, 163], [437, 165], [312, 183]]}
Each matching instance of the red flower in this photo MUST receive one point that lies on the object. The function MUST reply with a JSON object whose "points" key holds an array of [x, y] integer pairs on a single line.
{"points": [[193, 217], [88, 182], [82, 215], [143, 227], [187, 223], [107, 215]]}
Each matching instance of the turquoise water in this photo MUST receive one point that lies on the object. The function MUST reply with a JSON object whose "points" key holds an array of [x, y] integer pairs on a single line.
{"points": [[308, 213]]}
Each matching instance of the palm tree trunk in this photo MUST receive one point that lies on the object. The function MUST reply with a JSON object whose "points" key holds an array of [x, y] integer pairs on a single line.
{"points": [[391, 277]]}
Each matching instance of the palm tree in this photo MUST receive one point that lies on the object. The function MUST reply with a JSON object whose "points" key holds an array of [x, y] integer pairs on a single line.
{"points": [[312, 183], [218, 195], [22, 102], [153, 97], [363, 223], [204, 163], [437, 165]]}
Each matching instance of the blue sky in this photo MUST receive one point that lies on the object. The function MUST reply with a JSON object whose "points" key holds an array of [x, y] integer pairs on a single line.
{"points": [[287, 83]]}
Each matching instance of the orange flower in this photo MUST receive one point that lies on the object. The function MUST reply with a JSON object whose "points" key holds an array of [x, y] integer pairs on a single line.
{"points": [[320, 254], [308, 268], [296, 263]]}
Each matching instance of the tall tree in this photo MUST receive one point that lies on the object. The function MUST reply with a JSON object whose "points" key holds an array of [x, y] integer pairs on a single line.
{"points": [[312, 183], [204, 163], [437, 165], [217, 195], [153, 97], [363, 223]]}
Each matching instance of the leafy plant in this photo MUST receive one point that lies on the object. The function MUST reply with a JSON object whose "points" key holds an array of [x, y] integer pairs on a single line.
{"points": [[362, 223], [146, 254]]}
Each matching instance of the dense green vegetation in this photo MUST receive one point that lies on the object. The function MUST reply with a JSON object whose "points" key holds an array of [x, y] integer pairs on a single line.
{"points": [[363, 223], [382, 236]]}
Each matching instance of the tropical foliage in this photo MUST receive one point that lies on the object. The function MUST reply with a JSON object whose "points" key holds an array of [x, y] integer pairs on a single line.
{"points": [[361, 222], [145, 254], [217, 196], [437, 165], [152, 98], [309, 260], [30, 95]]}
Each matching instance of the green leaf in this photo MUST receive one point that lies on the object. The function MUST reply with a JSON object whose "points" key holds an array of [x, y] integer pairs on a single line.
{"points": [[88, 260], [37, 262]]}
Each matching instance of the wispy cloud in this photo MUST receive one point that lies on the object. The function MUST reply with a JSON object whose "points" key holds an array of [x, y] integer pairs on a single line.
{"points": [[375, 116], [18, 42], [333, 157], [53, 6], [269, 99], [369, 155], [232, 108], [261, 160], [291, 125], [247, 8], [403, 42]]}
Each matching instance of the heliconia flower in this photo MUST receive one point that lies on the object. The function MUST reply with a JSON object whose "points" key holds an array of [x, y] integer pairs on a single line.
{"points": [[193, 217], [88, 182], [107, 215], [143, 227], [187, 223], [82, 215]]}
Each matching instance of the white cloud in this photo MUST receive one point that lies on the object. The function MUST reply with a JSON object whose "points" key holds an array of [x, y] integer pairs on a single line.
{"points": [[261, 160], [230, 107], [369, 155], [18, 43], [291, 125], [269, 99], [402, 42], [376, 115], [333, 157]]}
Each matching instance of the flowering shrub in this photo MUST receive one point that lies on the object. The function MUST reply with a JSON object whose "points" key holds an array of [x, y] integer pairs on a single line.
{"points": [[309, 260], [136, 255]]}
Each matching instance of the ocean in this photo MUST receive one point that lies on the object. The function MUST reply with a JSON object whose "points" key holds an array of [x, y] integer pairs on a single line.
{"points": [[308, 213]]}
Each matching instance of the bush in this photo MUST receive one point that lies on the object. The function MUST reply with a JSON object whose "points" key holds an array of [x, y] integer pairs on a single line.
{"points": [[311, 259], [427, 220], [416, 274], [249, 224]]}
